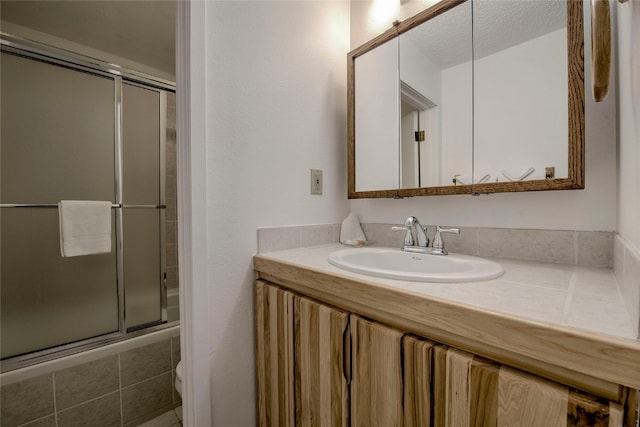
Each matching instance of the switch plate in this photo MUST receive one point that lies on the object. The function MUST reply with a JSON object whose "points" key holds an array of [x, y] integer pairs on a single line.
{"points": [[316, 181]]}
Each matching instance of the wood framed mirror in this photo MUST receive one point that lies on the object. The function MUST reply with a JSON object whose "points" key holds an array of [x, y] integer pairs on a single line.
{"points": [[499, 108]]}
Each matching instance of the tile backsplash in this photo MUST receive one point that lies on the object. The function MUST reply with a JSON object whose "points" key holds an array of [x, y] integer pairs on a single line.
{"points": [[590, 248], [626, 266]]}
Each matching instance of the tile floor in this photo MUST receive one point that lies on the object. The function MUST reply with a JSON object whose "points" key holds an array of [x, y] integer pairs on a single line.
{"points": [[168, 419]]}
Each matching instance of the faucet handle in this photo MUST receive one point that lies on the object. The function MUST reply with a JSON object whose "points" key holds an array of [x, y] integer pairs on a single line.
{"points": [[438, 243], [408, 237]]}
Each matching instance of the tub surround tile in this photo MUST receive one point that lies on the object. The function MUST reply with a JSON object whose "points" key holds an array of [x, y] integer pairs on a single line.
{"points": [[26, 401], [175, 351], [172, 277], [49, 421], [86, 390], [168, 419], [145, 362], [87, 381], [146, 400], [101, 412]]}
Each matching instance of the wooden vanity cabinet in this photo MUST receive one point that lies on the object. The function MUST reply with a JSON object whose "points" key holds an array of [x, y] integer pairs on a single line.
{"points": [[321, 366], [300, 360]]}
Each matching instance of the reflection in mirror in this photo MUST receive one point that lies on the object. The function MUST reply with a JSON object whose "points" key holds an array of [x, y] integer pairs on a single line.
{"points": [[376, 119], [520, 90], [494, 89], [436, 90]]}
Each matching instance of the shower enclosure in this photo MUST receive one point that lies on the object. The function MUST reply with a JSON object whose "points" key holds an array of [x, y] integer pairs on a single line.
{"points": [[78, 130]]}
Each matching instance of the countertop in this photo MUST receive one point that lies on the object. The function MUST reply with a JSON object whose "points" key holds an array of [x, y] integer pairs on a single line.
{"points": [[564, 315]]}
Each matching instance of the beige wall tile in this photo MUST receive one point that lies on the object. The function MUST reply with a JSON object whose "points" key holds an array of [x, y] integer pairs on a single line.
{"points": [[172, 255], [101, 412], [537, 245], [595, 248], [172, 277], [464, 243], [175, 351], [383, 235], [278, 238], [145, 362], [312, 235], [146, 400], [27, 400], [85, 382], [49, 421]]}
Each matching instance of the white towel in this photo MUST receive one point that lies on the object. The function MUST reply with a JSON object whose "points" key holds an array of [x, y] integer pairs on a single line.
{"points": [[351, 233], [85, 227]]}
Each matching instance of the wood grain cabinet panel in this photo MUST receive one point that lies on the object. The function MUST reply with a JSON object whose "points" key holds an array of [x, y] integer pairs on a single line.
{"points": [[470, 391], [321, 389], [376, 384], [319, 366], [274, 323], [417, 378]]}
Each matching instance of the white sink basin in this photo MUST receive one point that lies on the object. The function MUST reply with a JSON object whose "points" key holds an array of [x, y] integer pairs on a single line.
{"points": [[395, 264]]}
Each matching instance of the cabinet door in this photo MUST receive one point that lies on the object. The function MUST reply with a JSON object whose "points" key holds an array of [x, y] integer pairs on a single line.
{"points": [[376, 384], [274, 324], [417, 381], [321, 389], [469, 391]]}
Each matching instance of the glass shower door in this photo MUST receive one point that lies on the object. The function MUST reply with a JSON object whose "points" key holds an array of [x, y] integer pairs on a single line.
{"points": [[142, 219], [58, 136]]}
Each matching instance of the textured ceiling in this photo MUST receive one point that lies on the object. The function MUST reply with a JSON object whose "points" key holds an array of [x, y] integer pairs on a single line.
{"points": [[497, 25], [141, 31]]}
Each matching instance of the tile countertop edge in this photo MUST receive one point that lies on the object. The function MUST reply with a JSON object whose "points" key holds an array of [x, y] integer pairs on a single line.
{"points": [[504, 337]]}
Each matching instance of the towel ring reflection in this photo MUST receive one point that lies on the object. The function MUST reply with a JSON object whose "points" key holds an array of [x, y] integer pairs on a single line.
{"points": [[600, 49]]}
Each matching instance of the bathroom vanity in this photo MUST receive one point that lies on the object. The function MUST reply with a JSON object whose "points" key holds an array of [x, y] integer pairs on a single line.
{"points": [[340, 348]]}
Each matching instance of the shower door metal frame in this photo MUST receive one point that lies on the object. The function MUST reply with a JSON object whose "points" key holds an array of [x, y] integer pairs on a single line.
{"points": [[120, 75]]}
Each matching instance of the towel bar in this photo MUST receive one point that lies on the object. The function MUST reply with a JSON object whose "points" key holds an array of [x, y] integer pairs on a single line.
{"points": [[55, 205]]}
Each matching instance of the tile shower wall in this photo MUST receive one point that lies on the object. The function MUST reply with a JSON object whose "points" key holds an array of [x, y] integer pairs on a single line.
{"points": [[626, 266], [124, 389], [171, 195], [589, 248], [171, 217]]}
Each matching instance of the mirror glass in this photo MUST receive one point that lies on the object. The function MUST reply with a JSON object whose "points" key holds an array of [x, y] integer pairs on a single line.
{"points": [[520, 90], [436, 93], [470, 97], [376, 118]]}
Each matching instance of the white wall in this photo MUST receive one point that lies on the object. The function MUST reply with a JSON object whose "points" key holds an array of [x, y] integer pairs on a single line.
{"points": [[276, 107], [628, 91], [591, 209], [535, 134], [377, 123]]}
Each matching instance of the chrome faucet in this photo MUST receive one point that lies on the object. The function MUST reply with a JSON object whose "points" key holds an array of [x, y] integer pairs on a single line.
{"points": [[438, 243], [415, 239]]}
